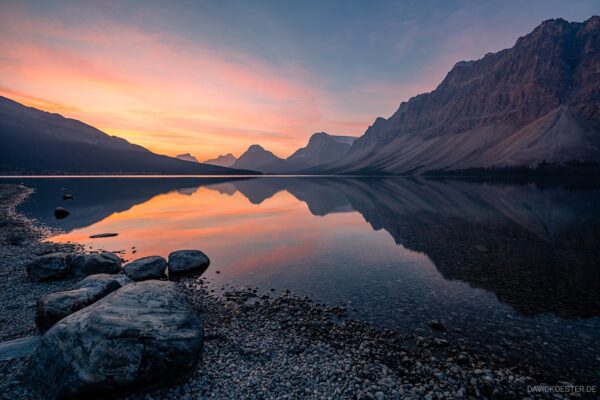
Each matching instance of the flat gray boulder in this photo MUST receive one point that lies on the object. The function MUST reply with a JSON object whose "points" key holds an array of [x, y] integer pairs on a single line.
{"points": [[95, 263], [53, 307], [143, 335], [187, 262], [48, 267], [152, 267]]}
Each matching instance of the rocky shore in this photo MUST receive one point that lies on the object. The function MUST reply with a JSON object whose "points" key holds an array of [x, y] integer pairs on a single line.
{"points": [[258, 346]]}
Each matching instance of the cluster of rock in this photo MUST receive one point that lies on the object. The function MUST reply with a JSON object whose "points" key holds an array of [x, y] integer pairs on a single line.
{"points": [[114, 332], [62, 265]]}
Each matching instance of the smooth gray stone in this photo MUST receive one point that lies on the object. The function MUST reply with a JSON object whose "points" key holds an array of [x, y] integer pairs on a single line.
{"points": [[152, 267], [95, 263], [48, 267], [188, 261], [53, 307], [143, 335], [18, 348]]}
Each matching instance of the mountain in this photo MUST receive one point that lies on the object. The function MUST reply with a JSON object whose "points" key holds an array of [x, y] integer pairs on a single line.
{"points": [[35, 141], [537, 101], [322, 148], [257, 158], [226, 160], [187, 157]]}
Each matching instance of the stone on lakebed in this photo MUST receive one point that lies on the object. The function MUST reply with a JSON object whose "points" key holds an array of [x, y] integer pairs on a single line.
{"points": [[143, 335], [60, 213]]}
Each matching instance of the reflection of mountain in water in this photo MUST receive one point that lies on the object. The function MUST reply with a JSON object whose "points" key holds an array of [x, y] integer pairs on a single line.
{"points": [[537, 250], [96, 198]]}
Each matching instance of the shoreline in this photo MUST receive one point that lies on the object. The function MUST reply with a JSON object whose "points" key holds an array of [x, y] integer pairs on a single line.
{"points": [[264, 346]]}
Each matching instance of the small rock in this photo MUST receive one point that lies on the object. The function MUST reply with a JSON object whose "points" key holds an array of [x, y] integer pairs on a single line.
{"points": [[188, 261], [103, 235], [48, 267], [152, 267], [97, 263], [436, 325], [60, 213]]}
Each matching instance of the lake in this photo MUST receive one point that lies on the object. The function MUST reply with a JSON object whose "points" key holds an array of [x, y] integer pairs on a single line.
{"points": [[512, 270]]}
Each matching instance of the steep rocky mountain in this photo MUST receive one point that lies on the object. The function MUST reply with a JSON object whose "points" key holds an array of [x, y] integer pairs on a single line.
{"points": [[35, 141], [187, 157], [322, 148], [257, 158], [537, 101], [226, 160]]}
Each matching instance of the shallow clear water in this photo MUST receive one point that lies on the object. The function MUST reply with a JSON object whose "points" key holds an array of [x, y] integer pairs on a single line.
{"points": [[512, 270]]}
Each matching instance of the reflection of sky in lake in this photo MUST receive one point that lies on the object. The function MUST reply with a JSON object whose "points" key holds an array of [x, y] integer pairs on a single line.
{"points": [[511, 267]]}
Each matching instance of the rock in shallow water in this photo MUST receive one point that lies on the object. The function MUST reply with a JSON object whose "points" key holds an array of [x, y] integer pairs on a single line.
{"points": [[152, 267], [188, 261], [96, 263], [48, 267], [60, 213], [53, 307], [143, 335]]}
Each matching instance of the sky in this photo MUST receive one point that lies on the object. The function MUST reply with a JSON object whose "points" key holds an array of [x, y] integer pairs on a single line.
{"points": [[212, 77]]}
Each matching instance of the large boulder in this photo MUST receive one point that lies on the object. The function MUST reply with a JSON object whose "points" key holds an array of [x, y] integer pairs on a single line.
{"points": [[48, 267], [188, 261], [53, 307], [152, 267], [143, 335], [95, 263]]}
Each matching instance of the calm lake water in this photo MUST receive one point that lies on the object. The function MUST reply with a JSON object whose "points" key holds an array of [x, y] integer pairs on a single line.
{"points": [[513, 270]]}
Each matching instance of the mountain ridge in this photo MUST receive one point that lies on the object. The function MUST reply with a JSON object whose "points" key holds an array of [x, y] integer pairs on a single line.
{"points": [[553, 70], [36, 141], [322, 148]]}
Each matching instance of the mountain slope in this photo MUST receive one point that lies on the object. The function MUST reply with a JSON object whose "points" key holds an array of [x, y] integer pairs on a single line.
{"points": [[257, 158], [187, 157], [226, 160], [322, 148], [34, 141], [538, 101]]}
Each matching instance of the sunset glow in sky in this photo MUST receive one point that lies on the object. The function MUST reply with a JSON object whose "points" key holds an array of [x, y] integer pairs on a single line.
{"points": [[217, 76]]}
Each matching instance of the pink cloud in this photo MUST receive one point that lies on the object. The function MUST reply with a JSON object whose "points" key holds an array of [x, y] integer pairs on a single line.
{"points": [[170, 94]]}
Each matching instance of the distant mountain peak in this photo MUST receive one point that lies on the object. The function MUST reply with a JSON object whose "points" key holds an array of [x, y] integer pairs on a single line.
{"points": [[187, 157], [226, 160]]}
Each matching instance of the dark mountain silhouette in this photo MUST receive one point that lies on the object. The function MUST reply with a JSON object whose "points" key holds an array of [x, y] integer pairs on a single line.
{"points": [[34, 141], [226, 160], [258, 159], [322, 148], [537, 101], [187, 157]]}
